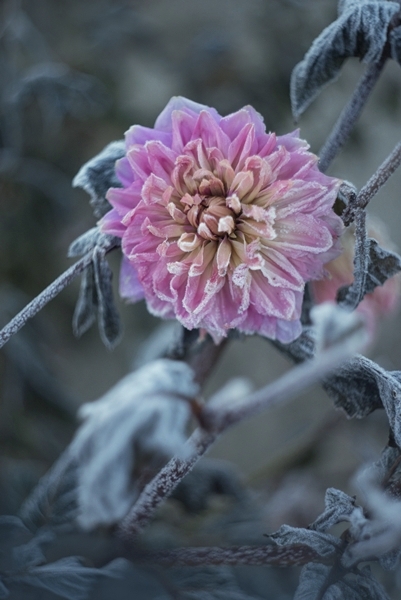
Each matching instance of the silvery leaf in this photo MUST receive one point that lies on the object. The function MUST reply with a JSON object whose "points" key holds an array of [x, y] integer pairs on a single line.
{"points": [[108, 318], [338, 506], [98, 175], [138, 424], [360, 30]]}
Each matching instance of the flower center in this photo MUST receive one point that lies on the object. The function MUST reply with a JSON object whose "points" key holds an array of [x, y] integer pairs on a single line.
{"points": [[210, 211]]}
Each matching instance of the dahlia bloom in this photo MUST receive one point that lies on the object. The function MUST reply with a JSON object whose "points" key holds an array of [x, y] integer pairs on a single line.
{"points": [[221, 223], [340, 272]]}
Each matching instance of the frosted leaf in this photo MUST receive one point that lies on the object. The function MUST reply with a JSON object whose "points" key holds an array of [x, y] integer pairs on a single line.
{"points": [[4, 593], [380, 533], [87, 305], [209, 583], [98, 175], [313, 577], [323, 543], [54, 500], [91, 239], [58, 91], [359, 585], [338, 507], [108, 317], [68, 578], [395, 44], [139, 423], [360, 30], [95, 298], [334, 325], [233, 391], [373, 266], [354, 387], [369, 587]]}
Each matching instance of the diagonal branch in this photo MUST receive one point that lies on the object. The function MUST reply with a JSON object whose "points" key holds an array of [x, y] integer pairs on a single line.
{"points": [[220, 414], [350, 114], [46, 296], [370, 189]]}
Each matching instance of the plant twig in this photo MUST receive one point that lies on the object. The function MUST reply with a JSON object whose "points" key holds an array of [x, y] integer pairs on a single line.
{"points": [[370, 189], [275, 556], [350, 114], [218, 417], [45, 296]]}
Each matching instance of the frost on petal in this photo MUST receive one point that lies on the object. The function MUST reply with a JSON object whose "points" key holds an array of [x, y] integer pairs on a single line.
{"points": [[139, 423], [222, 223]]}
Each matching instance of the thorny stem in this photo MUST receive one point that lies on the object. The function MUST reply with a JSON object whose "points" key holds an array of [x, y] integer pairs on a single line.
{"points": [[219, 417], [291, 555], [45, 296], [370, 189], [350, 114]]}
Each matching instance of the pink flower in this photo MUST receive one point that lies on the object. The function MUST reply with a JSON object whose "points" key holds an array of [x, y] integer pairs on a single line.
{"points": [[221, 223], [382, 301]]}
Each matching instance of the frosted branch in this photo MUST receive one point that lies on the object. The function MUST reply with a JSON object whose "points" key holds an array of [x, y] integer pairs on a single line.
{"points": [[45, 296], [370, 189], [224, 411], [350, 114]]}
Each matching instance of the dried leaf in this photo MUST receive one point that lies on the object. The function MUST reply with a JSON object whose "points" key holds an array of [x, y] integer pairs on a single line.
{"points": [[98, 175], [360, 30], [138, 424], [338, 507], [108, 318], [87, 304]]}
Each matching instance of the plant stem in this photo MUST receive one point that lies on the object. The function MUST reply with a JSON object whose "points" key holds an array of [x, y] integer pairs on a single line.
{"points": [[350, 114], [43, 298], [278, 556], [370, 189], [218, 416]]}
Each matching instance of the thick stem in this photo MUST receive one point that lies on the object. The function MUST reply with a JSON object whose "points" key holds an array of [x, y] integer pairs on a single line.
{"points": [[163, 484], [370, 189], [275, 556], [350, 114]]}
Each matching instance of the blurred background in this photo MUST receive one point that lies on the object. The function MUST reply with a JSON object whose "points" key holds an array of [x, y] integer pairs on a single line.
{"points": [[73, 77]]}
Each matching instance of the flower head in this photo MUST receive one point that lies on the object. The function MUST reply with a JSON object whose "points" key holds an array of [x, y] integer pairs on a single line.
{"points": [[221, 223]]}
